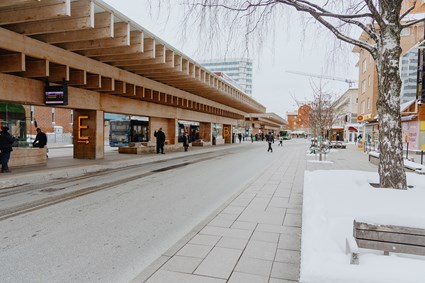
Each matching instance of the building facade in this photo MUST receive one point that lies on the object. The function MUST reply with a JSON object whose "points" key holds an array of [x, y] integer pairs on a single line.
{"points": [[298, 121], [238, 69], [368, 76], [346, 115]]}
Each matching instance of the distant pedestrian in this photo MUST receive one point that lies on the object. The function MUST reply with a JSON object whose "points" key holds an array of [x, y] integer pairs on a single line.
{"points": [[6, 141], [240, 137], [280, 141], [160, 141], [40, 139], [337, 137], [270, 140], [252, 138], [185, 141]]}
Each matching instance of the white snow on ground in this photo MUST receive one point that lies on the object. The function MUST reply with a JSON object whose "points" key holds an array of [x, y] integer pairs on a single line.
{"points": [[332, 200]]}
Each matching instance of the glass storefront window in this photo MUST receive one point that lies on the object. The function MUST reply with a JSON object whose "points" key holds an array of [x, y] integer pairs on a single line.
{"points": [[13, 116]]}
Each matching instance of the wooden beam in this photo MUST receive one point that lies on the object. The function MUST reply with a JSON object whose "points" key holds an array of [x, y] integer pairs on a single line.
{"points": [[124, 57], [103, 28], [136, 46], [36, 69], [119, 87], [160, 52], [107, 84], [82, 17], [12, 62], [14, 3], [163, 73], [77, 77], [37, 49], [58, 72], [94, 81], [121, 38], [46, 9], [130, 90]]}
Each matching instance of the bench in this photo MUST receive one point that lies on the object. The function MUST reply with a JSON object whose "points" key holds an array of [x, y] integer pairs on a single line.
{"points": [[386, 238]]}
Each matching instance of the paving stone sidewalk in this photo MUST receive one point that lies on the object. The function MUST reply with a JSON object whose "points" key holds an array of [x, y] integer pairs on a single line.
{"points": [[256, 237]]}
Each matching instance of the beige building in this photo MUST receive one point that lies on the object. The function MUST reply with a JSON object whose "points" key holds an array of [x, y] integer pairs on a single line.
{"points": [[368, 75], [346, 115]]}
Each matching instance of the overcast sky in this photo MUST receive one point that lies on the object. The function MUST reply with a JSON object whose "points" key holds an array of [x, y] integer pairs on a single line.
{"points": [[288, 46]]}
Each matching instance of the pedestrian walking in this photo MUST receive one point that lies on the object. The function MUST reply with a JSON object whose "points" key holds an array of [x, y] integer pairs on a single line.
{"points": [[280, 141], [40, 139], [185, 141], [6, 141], [160, 141], [270, 140], [240, 137]]}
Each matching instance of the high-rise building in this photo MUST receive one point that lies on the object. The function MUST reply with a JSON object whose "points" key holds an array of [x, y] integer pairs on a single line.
{"points": [[238, 69]]}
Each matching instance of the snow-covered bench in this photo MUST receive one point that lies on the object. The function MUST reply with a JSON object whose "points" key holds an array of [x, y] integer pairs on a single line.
{"points": [[418, 168], [387, 238]]}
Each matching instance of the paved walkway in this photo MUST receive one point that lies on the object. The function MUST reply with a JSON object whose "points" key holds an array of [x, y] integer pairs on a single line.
{"points": [[256, 237]]}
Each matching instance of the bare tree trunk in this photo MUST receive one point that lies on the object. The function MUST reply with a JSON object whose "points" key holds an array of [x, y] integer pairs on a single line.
{"points": [[391, 164]]}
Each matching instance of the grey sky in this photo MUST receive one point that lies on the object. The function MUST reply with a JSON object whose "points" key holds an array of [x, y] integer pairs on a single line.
{"points": [[287, 47]]}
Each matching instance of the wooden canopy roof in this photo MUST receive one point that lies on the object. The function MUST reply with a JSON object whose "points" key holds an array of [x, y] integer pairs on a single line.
{"points": [[95, 47]]}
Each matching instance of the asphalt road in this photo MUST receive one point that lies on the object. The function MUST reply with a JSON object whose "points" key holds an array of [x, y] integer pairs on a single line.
{"points": [[112, 234]]}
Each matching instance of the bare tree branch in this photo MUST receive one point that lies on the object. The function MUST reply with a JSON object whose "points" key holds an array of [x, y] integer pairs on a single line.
{"points": [[328, 25], [411, 23], [410, 9]]}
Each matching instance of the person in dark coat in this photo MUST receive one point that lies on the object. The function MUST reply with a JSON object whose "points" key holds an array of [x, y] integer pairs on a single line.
{"points": [[185, 141], [270, 140], [40, 139], [160, 141], [6, 141]]}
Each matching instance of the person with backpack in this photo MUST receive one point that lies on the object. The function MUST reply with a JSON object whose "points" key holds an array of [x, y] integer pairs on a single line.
{"points": [[270, 140]]}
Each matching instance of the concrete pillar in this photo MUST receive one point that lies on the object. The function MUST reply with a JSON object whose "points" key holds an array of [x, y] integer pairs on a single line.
{"points": [[88, 134], [168, 127]]}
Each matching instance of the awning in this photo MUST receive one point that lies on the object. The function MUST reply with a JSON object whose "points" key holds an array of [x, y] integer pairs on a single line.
{"points": [[352, 129], [11, 111]]}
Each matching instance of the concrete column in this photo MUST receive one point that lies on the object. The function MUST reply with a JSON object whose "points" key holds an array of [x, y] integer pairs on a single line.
{"points": [[168, 127], [88, 132]]}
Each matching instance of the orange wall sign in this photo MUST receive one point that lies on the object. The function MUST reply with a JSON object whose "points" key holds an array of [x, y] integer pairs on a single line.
{"points": [[81, 127]]}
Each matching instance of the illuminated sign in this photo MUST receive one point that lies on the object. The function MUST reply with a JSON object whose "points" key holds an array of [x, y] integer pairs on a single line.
{"points": [[56, 95], [81, 127]]}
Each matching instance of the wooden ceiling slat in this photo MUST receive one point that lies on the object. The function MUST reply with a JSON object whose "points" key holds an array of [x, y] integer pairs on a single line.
{"points": [[14, 62], [14, 3], [119, 52], [103, 28], [160, 58], [36, 69], [58, 73], [82, 17], [77, 77], [29, 13], [121, 38]]}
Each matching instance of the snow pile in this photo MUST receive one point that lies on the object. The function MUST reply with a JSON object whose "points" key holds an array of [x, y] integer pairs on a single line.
{"points": [[332, 200]]}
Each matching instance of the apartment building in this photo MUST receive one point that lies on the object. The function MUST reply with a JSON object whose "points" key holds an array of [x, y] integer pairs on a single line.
{"points": [[346, 107], [298, 121], [368, 76], [237, 69]]}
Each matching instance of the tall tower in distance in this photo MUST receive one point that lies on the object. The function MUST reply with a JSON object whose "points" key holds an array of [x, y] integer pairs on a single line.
{"points": [[238, 69]]}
